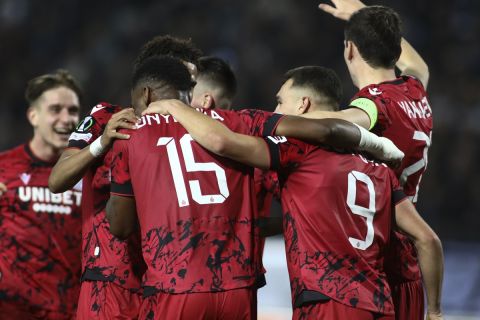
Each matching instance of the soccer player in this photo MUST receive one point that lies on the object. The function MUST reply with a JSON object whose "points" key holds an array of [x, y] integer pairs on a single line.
{"points": [[39, 230], [216, 84], [196, 212], [396, 108], [306, 89], [111, 268], [337, 220]]}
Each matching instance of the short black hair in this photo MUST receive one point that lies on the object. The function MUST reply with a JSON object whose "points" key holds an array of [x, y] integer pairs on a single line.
{"points": [[60, 78], [323, 81], [167, 45], [166, 70], [376, 31], [218, 72]]}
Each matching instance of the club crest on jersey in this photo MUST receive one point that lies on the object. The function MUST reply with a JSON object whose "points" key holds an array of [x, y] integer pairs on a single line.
{"points": [[86, 124], [25, 177], [374, 91]]}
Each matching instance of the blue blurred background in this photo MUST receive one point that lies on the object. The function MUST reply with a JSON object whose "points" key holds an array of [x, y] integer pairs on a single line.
{"points": [[98, 40]]}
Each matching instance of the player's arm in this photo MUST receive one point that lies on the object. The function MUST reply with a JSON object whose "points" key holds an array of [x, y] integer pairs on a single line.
{"points": [[430, 254], [219, 139], [122, 215], [409, 63], [354, 115], [214, 136], [340, 134], [73, 162], [3, 188]]}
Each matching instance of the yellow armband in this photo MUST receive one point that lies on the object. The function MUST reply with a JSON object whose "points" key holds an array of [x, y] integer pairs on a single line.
{"points": [[369, 107]]}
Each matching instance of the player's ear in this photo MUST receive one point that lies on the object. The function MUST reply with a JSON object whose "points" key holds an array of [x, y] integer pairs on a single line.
{"points": [[32, 116], [350, 49], [208, 101], [147, 95], [305, 106]]}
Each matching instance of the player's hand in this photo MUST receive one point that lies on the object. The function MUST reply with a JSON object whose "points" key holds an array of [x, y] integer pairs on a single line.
{"points": [[434, 315], [162, 106], [342, 9], [3, 188], [124, 119]]}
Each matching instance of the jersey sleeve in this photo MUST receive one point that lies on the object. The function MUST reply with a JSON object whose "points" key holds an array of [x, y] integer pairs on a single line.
{"points": [[91, 127], [285, 154], [121, 183], [397, 191], [260, 123], [371, 100]]}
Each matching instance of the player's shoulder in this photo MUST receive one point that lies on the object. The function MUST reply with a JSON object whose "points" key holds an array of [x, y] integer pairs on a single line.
{"points": [[103, 109], [99, 114], [13, 154]]}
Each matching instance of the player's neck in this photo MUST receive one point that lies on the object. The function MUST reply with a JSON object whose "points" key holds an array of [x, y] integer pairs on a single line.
{"points": [[42, 150], [369, 76]]}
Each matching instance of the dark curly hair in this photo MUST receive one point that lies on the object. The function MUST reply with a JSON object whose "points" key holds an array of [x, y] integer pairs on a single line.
{"points": [[168, 45]]}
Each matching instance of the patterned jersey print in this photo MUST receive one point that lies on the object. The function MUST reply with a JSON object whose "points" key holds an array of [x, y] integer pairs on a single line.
{"points": [[104, 257], [39, 236], [196, 211], [337, 222]]}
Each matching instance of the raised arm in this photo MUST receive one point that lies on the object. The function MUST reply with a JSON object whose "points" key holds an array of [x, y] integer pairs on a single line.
{"points": [[409, 63], [430, 254], [73, 163]]}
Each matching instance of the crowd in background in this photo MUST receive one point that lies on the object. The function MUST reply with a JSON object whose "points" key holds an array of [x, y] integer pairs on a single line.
{"points": [[98, 40]]}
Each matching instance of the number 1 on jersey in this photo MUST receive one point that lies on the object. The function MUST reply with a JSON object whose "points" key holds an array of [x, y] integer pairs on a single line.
{"points": [[192, 166]]}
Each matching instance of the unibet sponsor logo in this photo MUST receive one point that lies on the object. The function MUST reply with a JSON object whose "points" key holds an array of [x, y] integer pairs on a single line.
{"points": [[86, 124], [45, 201]]}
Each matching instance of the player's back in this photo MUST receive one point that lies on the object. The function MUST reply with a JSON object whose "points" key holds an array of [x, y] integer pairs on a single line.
{"points": [[405, 117], [196, 210], [337, 222]]}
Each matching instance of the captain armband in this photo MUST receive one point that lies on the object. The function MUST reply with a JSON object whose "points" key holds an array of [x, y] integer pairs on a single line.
{"points": [[369, 107]]}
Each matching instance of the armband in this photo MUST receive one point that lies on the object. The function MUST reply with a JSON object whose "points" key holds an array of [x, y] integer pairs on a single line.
{"points": [[369, 107]]}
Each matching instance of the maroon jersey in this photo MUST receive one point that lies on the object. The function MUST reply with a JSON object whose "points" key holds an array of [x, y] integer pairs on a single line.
{"points": [[104, 257], [39, 236], [337, 222], [267, 187], [405, 117], [196, 210]]}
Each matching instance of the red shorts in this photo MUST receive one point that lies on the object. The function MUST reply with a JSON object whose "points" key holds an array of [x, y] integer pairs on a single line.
{"points": [[237, 304], [408, 300], [107, 300], [334, 310]]}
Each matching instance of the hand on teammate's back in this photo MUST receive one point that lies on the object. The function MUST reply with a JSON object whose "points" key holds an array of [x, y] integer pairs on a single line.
{"points": [[124, 119], [3, 189], [342, 9], [161, 106]]}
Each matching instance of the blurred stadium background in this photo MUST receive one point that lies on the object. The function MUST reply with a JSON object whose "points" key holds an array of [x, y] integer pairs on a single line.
{"points": [[98, 40]]}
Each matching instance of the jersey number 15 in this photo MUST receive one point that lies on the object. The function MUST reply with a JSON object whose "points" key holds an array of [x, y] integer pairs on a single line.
{"points": [[192, 166]]}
